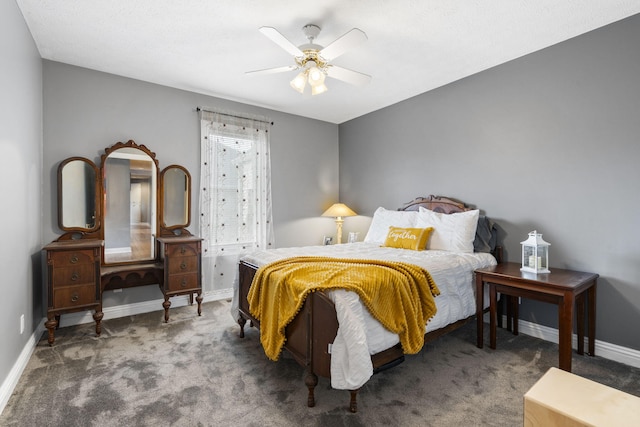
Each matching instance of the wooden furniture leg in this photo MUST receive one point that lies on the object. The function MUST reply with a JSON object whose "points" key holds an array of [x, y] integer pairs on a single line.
{"points": [[166, 304], [241, 321], [51, 324], [479, 310], [512, 313], [97, 316], [565, 326], [580, 322], [199, 299], [591, 312], [515, 314], [505, 300], [311, 381], [493, 315], [353, 404]]}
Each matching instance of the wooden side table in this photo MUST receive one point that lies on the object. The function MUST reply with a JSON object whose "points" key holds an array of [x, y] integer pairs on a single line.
{"points": [[565, 288]]}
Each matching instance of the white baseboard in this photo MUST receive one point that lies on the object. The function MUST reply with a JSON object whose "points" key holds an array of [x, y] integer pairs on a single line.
{"points": [[11, 381], [603, 349]]}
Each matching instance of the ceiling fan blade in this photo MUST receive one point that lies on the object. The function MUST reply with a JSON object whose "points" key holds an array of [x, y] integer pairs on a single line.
{"points": [[349, 76], [275, 36], [273, 70], [348, 41]]}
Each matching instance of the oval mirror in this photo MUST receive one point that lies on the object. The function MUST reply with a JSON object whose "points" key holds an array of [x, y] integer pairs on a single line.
{"points": [[129, 175], [176, 197], [77, 195]]}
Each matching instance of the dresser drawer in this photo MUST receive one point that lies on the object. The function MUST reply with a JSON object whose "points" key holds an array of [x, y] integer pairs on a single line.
{"points": [[74, 296], [71, 258], [183, 282], [181, 249], [74, 275], [183, 264]]}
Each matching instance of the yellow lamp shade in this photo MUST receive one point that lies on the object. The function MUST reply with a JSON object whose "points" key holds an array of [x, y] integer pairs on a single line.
{"points": [[338, 211]]}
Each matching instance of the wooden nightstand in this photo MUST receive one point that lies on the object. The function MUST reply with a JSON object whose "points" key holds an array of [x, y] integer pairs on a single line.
{"points": [[565, 288]]}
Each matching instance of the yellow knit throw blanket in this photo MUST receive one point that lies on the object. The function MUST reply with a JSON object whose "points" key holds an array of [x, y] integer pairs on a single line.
{"points": [[399, 295]]}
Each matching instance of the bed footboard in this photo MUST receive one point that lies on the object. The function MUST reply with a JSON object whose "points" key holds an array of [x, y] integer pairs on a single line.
{"points": [[309, 335]]}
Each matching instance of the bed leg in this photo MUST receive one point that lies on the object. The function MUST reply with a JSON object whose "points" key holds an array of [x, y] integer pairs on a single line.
{"points": [[353, 404], [311, 381], [241, 322]]}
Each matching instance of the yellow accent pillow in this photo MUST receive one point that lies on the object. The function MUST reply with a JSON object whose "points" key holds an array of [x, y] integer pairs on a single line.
{"points": [[408, 238]]}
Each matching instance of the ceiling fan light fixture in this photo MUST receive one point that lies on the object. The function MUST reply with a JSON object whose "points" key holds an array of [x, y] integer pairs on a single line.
{"points": [[316, 76], [314, 61], [318, 89], [299, 82]]}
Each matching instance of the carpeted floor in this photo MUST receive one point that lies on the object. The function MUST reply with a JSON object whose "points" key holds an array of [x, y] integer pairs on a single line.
{"points": [[195, 371]]}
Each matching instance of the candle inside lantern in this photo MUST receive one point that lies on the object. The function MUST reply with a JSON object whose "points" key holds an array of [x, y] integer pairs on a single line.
{"points": [[532, 262]]}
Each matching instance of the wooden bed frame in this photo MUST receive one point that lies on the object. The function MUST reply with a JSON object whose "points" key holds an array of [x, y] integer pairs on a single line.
{"points": [[309, 345]]}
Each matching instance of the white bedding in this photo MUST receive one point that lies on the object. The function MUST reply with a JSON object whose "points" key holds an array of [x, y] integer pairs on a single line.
{"points": [[359, 335]]}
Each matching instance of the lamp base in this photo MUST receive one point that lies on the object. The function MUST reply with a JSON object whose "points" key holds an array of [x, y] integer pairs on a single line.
{"points": [[339, 222]]}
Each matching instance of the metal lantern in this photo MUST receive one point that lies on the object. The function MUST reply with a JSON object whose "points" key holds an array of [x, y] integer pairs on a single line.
{"points": [[535, 254]]}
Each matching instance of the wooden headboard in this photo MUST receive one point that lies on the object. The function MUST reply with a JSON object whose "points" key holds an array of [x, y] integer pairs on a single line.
{"points": [[436, 204]]}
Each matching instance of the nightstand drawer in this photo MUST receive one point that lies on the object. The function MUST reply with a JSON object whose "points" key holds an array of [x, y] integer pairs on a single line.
{"points": [[183, 282], [74, 296], [74, 275], [71, 258], [183, 264]]}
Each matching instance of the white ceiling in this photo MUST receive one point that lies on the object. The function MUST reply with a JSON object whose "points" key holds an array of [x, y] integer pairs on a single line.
{"points": [[206, 46]]}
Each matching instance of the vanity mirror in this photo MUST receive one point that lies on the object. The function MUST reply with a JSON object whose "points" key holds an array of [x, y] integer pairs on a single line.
{"points": [[129, 186], [78, 191], [175, 200]]}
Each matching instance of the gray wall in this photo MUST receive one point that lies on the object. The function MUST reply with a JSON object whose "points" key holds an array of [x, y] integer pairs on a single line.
{"points": [[20, 184], [86, 111], [549, 141]]}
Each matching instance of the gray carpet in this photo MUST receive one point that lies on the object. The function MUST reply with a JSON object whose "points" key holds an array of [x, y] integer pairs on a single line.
{"points": [[195, 371]]}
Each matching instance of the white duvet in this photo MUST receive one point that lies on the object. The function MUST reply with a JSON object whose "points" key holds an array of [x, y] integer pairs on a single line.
{"points": [[359, 334]]}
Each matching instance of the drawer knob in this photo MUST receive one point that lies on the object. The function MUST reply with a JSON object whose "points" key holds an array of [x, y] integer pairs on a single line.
{"points": [[74, 259], [184, 283], [74, 277], [75, 298], [183, 266]]}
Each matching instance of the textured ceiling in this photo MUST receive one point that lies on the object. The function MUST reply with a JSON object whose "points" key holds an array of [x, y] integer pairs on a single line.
{"points": [[206, 46]]}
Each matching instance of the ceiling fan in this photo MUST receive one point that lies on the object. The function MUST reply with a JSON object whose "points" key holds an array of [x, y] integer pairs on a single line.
{"points": [[314, 60]]}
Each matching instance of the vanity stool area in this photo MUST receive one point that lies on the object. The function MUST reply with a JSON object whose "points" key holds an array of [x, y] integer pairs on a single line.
{"points": [[125, 226]]}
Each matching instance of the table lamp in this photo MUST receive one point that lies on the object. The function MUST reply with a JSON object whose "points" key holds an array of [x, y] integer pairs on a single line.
{"points": [[339, 211]]}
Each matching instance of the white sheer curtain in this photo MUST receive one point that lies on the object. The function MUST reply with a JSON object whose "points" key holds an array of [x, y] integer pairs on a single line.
{"points": [[235, 194]]}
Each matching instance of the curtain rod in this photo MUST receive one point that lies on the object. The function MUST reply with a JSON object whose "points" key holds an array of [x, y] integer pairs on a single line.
{"points": [[231, 115]]}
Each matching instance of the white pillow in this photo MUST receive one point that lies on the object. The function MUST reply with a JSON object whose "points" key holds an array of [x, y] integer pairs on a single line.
{"points": [[383, 219], [453, 232]]}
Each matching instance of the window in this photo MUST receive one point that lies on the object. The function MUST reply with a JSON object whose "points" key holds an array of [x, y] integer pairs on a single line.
{"points": [[235, 195]]}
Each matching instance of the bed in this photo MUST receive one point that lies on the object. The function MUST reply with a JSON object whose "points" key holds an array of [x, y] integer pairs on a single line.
{"points": [[326, 344]]}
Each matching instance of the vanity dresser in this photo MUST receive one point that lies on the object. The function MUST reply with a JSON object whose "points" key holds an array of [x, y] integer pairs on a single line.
{"points": [[125, 225]]}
